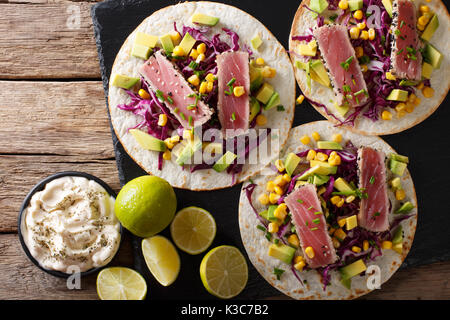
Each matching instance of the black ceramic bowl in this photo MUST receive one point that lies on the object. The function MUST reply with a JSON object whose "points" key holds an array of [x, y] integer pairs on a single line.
{"points": [[39, 187]]}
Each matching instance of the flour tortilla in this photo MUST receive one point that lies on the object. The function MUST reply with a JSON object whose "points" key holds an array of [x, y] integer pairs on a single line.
{"points": [[440, 81], [257, 245], [247, 27]]}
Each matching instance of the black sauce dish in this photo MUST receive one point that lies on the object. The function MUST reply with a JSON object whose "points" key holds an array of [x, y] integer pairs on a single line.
{"points": [[39, 187]]}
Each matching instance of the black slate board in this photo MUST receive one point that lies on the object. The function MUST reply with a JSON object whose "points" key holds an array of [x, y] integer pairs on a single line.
{"points": [[427, 145]]}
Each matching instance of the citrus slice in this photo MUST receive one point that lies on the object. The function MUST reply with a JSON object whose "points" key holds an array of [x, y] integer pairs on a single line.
{"points": [[193, 230], [162, 259], [118, 283], [224, 272]]}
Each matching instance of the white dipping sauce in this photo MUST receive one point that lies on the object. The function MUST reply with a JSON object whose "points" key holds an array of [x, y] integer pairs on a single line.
{"points": [[71, 222]]}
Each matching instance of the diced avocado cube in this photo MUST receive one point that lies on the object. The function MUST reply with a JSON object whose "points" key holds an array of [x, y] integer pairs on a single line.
{"points": [[399, 157], [397, 167], [427, 70], [398, 95], [396, 184], [408, 83], [342, 110], [431, 28], [343, 186], [388, 6], [140, 51], [274, 101], [148, 142], [146, 39], [398, 247], [167, 44], [124, 82], [354, 5], [320, 179], [176, 151], [433, 56], [351, 222], [318, 169], [255, 108], [353, 269], [225, 161], [309, 49], [329, 145], [188, 151], [265, 93], [328, 167], [282, 252], [264, 214], [398, 235], [187, 43], [271, 213], [405, 208], [256, 78], [318, 5], [256, 42], [347, 283], [291, 163], [204, 19], [319, 73]]}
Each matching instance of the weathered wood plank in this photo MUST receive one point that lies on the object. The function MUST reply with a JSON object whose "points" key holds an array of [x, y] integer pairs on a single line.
{"points": [[18, 174], [47, 40], [62, 118], [21, 279]]}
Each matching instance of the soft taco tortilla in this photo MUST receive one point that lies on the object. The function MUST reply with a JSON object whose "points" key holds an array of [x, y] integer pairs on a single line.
{"points": [[322, 96], [257, 245], [246, 27]]}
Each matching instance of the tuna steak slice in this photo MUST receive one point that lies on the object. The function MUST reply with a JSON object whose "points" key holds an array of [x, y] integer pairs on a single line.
{"points": [[233, 111], [161, 75], [311, 225], [343, 67], [374, 210], [406, 59]]}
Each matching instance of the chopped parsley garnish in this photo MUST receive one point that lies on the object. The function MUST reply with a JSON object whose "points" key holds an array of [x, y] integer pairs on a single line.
{"points": [[306, 223], [176, 110], [364, 59], [260, 227], [276, 241], [346, 88], [333, 17], [400, 52], [230, 87], [169, 99], [318, 213], [362, 91], [190, 121], [316, 221], [372, 180], [268, 236], [199, 73], [182, 116], [278, 272], [402, 23], [346, 63], [314, 229], [191, 107], [411, 53], [397, 32], [310, 208], [300, 201], [280, 108], [193, 65], [160, 95], [376, 214], [233, 116]]}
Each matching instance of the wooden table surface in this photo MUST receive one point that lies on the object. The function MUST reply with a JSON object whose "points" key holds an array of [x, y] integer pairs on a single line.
{"points": [[53, 118]]}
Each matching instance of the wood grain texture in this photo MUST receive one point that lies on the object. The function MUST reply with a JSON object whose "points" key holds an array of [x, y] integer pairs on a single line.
{"points": [[50, 40]]}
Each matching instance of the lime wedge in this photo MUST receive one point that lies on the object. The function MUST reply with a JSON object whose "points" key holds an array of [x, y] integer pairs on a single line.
{"points": [[118, 283], [193, 230], [162, 259], [224, 272]]}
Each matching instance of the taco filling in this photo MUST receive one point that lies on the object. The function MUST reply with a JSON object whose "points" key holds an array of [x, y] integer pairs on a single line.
{"points": [[329, 209], [375, 61], [192, 79]]}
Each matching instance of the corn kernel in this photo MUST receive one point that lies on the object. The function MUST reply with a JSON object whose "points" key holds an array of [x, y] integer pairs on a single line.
{"points": [[364, 35], [273, 198], [270, 186], [354, 33], [144, 94], [261, 120], [187, 135], [279, 181], [340, 203], [209, 86], [268, 72], [298, 259], [286, 178], [167, 155], [428, 92], [201, 57], [176, 37], [178, 51], [169, 144], [423, 20], [310, 252], [175, 139], [201, 48], [336, 242], [343, 4], [401, 114], [335, 199], [300, 99], [400, 107], [341, 222], [203, 87], [364, 68], [420, 27], [263, 199], [335, 161], [412, 97], [194, 80], [311, 155], [372, 34], [356, 249], [273, 227], [417, 101], [409, 107], [350, 199], [420, 86], [390, 76], [424, 8], [386, 115], [278, 190], [238, 91], [316, 136], [260, 61], [299, 266], [194, 54], [331, 231], [305, 139], [280, 212], [359, 52], [365, 245], [386, 245], [320, 156], [358, 14], [210, 77], [361, 25], [162, 120], [400, 194], [293, 240], [279, 165], [340, 234]]}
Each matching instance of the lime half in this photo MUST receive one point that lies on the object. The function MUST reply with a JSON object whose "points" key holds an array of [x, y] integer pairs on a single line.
{"points": [[118, 283], [224, 272], [193, 230], [162, 259]]}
